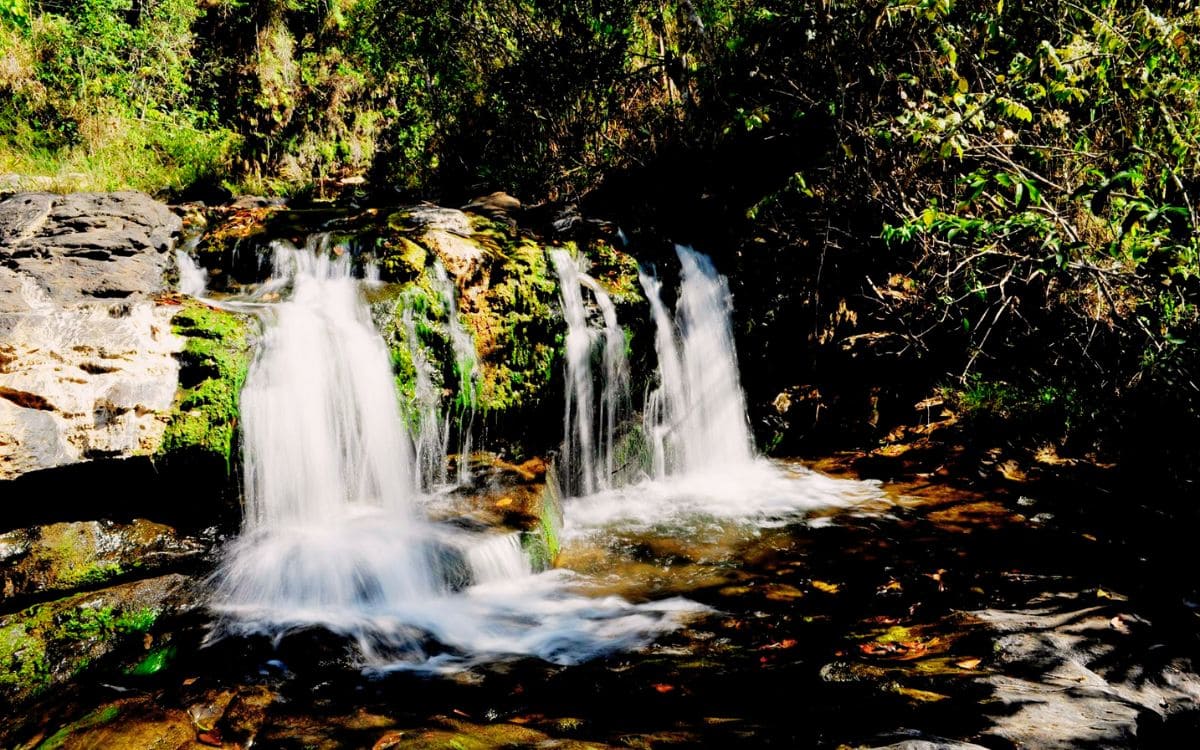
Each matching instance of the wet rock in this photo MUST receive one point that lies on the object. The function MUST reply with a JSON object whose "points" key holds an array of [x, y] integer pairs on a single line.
{"points": [[497, 206], [132, 722], [86, 355], [853, 673], [462, 257], [431, 219], [247, 713], [62, 557], [48, 644]]}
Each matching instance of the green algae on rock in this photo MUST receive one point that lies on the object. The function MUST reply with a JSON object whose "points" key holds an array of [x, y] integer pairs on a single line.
{"points": [[213, 367], [507, 299]]}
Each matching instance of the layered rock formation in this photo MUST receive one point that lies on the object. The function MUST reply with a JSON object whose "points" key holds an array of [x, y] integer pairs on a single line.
{"points": [[86, 355]]}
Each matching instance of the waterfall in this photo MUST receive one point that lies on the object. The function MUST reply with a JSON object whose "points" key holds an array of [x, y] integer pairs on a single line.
{"points": [[333, 534], [589, 442], [329, 524], [466, 367], [193, 280], [430, 431], [695, 420]]}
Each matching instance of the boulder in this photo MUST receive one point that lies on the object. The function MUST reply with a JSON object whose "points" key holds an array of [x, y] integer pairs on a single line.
{"points": [[87, 365]]}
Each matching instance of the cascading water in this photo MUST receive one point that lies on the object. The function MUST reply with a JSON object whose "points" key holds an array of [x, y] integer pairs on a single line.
{"points": [[614, 396], [700, 453], [193, 280], [589, 443], [333, 535], [466, 363], [663, 403], [696, 419], [329, 524], [430, 431]]}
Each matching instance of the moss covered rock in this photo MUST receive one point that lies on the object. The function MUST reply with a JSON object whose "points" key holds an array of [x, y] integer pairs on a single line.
{"points": [[62, 557], [507, 299], [213, 367], [50, 643]]}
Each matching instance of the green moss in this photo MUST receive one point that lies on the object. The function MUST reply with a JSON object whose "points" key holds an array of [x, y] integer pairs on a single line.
{"points": [[155, 661], [87, 623], [48, 641], [517, 326], [215, 361], [70, 550], [541, 543], [23, 663], [92, 573]]}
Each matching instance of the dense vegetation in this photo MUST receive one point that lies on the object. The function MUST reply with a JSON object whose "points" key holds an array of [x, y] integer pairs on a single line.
{"points": [[993, 204]]}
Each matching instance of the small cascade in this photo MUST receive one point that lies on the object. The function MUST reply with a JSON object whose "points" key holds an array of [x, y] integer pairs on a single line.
{"points": [[329, 524], [466, 368], [668, 399], [695, 419], [589, 432], [614, 392], [193, 280], [430, 431]]}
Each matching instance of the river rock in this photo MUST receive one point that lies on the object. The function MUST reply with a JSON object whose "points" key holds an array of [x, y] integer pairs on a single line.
{"points": [[86, 355], [58, 558], [46, 645]]}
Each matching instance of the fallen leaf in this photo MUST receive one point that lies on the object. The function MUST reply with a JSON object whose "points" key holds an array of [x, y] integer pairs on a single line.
{"points": [[504, 502], [391, 739], [781, 592], [211, 738], [1102, 594], [828, 588], [921, 696], [662, 687], [786, 643], [967, 663]]}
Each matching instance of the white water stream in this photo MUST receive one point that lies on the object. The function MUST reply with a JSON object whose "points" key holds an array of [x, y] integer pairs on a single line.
{"points": [[701, 469], [590, 427], [336, 534]]}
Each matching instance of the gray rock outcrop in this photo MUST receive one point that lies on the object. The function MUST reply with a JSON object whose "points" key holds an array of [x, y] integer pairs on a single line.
{"points": [[86, 356]]}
